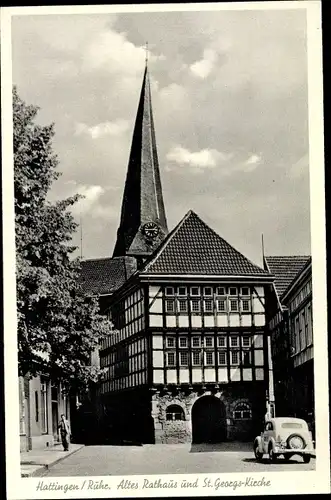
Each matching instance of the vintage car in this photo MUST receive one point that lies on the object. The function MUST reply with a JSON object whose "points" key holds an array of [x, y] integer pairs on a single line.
{"points": [[285, 436]]}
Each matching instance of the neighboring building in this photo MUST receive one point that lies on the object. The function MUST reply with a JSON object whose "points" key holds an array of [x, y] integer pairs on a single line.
{"points": [[291, 324], [41, 404], [188, 358]]}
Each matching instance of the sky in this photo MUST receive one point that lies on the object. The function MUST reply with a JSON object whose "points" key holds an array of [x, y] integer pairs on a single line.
{"points": [[229, 97]]}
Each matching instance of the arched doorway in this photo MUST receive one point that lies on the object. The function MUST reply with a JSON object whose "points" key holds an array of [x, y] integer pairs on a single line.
{"points": [[208, 420]]}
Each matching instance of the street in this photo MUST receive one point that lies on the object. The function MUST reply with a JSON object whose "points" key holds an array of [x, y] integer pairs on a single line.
{"points": [[169, 459]]}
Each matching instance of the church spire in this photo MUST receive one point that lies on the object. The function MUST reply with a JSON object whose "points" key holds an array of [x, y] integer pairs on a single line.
{"points": [[143, 222]]}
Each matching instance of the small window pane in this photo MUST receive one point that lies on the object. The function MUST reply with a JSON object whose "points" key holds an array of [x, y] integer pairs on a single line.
{"points": [[195, 291], [233, 305], [221, 305], [182, 305], [222, 358], [195, 341], [171, 341], [233, 291], [208, 305], [171, 359], [222, 341], [234, 341], [196, 358], [245, 305], [208, 291], [170, 305], [220, 290], [169, 291], [182, 341], [245, 291], [234, 357], [195, 305], [246, 341], [183, 357], [182, 290], [209, 341], [209, 358]]}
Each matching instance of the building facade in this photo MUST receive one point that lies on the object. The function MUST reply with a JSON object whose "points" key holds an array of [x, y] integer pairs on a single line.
{"points": [[41, 404], [188, 357], [291, 326]]}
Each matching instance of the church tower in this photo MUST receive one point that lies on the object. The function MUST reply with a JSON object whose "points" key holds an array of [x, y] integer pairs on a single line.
{"points": [[143, 224]]}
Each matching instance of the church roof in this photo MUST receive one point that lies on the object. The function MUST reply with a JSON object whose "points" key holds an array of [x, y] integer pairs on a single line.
{"points": [[285, 268], [194, 248], [142, 199], [105, 276]]}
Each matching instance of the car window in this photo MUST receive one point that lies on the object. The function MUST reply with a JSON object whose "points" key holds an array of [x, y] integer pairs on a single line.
{"points": [[268, 426], [291, 425]]}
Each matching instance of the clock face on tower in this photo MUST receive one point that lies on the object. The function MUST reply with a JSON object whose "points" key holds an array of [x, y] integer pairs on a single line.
{"points": [[150, 230]]}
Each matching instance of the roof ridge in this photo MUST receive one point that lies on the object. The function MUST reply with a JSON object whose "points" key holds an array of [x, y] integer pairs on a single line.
{"points": [[233, 248], [166, 241]]}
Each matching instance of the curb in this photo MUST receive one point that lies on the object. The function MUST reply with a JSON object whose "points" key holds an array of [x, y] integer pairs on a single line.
{"points": [[44, 468]]}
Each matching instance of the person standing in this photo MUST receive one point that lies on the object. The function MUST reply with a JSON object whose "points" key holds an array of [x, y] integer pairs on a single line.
{"points": [[65, 432]]}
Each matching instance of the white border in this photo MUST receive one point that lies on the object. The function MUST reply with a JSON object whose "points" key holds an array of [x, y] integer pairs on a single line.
{"points": [[283, 482]]}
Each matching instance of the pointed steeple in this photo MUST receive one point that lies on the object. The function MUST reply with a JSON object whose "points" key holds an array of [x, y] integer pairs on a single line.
{"points": [[143, 224]]}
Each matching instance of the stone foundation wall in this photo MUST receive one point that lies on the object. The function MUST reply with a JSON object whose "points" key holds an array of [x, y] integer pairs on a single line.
{"points": [[180, 431]]}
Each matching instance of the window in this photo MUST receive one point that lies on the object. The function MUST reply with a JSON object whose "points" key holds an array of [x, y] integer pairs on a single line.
{"points": [[182, 306], [268, 426], [171, 341], [220, 290], [233, 305], [182, 341], [196, 358], [222, 358], [208, 291], [182, 291], [195, 305], [195, 341], [233, 291], [242, 411], [171, 361], [221, 305], [246, 358], [209, 358], [310, 326], [36, 406], [170, 306], [235, 357], [222, 341], [170, 291], [302, 330], [245, 291], [234, 341], [43, 407], [208, 305], [183, 358], [209, 342], [245, 305], [175, 412], [195, 291], [246, 341], [291, 425]]}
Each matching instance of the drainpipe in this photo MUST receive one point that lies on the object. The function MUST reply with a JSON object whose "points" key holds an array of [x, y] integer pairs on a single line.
{"points": [[271, 392]]}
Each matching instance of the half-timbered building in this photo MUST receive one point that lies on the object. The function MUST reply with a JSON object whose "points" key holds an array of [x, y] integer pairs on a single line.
{"points": [[188, 357]]}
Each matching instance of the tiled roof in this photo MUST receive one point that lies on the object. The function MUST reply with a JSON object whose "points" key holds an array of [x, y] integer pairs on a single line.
{"points": [[285, 269], [103, 276], [194, 248]]}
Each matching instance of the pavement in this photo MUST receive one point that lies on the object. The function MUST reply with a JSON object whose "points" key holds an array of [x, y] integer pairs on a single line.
{"points": [[36, 463], [110, 460]]}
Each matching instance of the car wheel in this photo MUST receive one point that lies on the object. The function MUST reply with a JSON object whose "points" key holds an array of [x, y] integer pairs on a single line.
{"points": [[272, 455], [306, 459], [296, 442], [257, 453]]}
